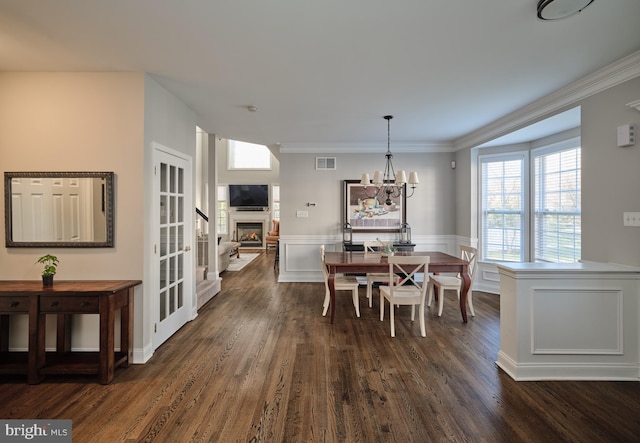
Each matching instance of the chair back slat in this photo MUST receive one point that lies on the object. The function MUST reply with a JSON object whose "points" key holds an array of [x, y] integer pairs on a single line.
{"points": [[407, 268], [471, 255]]}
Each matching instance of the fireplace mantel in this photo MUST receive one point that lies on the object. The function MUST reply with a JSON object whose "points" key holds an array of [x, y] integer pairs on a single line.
{"points": [[250, 217]]}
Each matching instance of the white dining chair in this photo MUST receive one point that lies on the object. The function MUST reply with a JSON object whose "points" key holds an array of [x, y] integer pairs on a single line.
{"points": [[444, 282], [409, 289], [375, 247], [341, 283]]}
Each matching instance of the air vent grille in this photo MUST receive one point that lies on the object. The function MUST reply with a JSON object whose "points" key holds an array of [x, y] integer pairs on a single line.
{"points": [[325, 163]]}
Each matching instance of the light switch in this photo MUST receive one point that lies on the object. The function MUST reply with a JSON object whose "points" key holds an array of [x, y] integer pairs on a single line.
{"points": [[631, 219], [302, 214]]}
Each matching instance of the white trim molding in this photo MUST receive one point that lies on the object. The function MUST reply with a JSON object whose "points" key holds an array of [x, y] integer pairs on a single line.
{"points": [[619, 72]]}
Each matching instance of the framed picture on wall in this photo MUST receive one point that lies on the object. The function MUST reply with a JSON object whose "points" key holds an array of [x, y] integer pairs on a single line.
{"points": [[367, 212]]}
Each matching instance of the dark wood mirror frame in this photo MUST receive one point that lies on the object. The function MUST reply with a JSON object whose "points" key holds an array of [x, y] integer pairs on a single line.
{"points": [[107, 206]]}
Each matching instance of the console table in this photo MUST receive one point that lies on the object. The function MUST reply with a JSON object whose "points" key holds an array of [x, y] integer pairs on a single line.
{"points": [[64, 299], [359, 247]]}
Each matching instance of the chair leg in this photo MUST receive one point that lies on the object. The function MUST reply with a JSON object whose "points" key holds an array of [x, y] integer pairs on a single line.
{"points": [[430, 293], [413, 312], [440, 300], [369, 292], [393, 323], [325, 305], [423, 330], [356, 302], [381, 307]]}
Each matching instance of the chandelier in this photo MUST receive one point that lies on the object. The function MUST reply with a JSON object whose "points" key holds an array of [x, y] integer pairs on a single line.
{"points": [[388, 184]]}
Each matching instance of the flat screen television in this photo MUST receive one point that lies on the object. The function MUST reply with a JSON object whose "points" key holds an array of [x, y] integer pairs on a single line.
{"points": [[248, 196]]}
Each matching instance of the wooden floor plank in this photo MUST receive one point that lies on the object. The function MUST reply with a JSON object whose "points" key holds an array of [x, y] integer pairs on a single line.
{"points": [[260, 363]]}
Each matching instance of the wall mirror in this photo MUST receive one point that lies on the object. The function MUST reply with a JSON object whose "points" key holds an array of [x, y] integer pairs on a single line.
{"points": [[59, 209]]}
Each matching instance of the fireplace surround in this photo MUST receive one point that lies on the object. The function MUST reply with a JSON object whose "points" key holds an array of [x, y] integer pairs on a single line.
{"points": [[249, 217], [249, 234]]}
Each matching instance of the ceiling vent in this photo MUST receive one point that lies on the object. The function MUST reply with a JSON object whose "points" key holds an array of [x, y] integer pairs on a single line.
{"points": [[325, 163]]}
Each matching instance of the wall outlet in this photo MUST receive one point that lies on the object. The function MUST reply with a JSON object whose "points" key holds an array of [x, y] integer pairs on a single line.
{"points": [[302, 214], [631, 219]]}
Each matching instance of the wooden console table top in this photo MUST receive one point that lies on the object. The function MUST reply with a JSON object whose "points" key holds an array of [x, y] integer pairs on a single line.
{"points": [[65, 286]]}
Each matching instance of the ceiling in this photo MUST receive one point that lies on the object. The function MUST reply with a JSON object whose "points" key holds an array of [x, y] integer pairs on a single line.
{"points": [[326, 72]]}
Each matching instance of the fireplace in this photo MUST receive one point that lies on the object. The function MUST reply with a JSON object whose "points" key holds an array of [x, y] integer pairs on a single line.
{"points": [[249, 234]]}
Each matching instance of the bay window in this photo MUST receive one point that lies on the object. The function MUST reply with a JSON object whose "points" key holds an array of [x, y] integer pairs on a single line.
{"points": [[531, 216]]}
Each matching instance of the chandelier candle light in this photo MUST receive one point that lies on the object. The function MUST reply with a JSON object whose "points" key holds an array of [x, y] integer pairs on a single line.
{"points": [[388, 184]]}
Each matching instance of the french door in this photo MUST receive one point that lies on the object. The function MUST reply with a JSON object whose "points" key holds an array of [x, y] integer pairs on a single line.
{"points": [[173, 293]]}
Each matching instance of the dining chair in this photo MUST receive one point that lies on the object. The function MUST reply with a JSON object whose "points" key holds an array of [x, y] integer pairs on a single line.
{"points": [[409, 289], [372, 247], [341, 283], [444, 282]]}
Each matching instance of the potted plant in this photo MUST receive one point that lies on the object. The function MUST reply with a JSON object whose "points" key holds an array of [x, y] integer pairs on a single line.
{"points": [[387, 249], [50, 263]]}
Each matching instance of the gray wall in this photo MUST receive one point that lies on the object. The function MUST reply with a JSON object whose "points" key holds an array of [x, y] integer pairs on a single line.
{"points": [[610, 177], [431, 210]]}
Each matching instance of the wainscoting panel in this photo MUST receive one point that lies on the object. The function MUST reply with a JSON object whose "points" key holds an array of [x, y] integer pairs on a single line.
{"points": [[300, 254], [570, 321], [487, 278], [562, 321], [300, 257]]}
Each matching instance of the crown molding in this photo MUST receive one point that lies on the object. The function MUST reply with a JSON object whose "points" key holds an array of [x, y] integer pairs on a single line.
{"points": [[619, 72], [363, 147]]}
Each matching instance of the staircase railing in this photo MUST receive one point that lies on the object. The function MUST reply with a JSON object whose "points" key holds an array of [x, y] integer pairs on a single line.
{"points": [[202, 214], [203, 243]]}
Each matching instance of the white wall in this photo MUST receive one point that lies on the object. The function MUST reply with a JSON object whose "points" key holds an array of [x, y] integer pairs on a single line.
{"points": [[168, 122]]}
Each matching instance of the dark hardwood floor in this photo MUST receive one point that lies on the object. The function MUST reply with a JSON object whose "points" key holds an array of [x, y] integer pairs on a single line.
{"points": [[261, 364]]}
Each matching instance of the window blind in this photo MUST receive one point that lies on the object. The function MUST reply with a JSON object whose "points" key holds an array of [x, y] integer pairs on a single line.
{"points": [[557, 212], [503, 210]]}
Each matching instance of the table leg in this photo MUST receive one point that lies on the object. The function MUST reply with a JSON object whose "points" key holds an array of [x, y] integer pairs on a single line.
{"points": [[332, 294], [466, 284], [4, 333], [126, 329], [63, 333], [107, 313], [37, 342]]}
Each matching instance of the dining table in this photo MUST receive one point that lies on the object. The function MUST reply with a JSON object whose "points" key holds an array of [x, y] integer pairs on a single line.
{"points": [[361, 263]]}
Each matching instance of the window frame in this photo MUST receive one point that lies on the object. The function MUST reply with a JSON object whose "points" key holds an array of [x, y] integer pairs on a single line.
{"points": [[524, 196], [233, 148], [222, 210], [529, 156], [275, 202], [564, 146]]}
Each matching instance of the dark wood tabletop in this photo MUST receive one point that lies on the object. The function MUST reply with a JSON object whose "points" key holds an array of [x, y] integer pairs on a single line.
{"points": [[359, 262]]}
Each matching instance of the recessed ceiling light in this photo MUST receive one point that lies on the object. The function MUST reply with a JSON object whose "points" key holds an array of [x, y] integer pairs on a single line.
{"points": [[557, 9]]}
